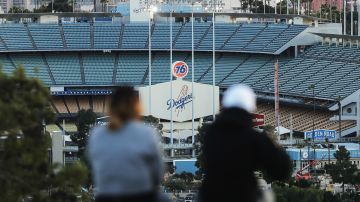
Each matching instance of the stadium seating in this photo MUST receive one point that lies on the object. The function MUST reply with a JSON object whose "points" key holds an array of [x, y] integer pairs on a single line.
{"points": [[244, 36], [34, 66], [109, 36], [71, 104], [98, 68], [5, 64], [135, 75], [46, 37], [331, 77], [221, 37], [77, 36], [135, 36], [15, 37], [161, 35], [65, 68], [106, 35], [301, 117]]}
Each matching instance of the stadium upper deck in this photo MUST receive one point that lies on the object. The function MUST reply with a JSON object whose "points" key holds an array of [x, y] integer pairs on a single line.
{"points": [[257, 38], [333, 74], [124, 57]]}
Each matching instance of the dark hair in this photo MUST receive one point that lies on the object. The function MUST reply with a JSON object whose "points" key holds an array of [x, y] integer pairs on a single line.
{"points": [[123, 103]]}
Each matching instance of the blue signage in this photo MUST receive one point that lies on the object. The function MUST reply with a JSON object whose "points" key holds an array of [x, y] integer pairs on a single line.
{"points": [[320, 134]]}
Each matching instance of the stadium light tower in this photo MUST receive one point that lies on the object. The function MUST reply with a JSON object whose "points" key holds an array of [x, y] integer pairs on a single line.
{"points": [[152, 10], [352, 18], [344, 21], [312, 87], [192, 75], [213, 49], [171, 76], [358, 115]]}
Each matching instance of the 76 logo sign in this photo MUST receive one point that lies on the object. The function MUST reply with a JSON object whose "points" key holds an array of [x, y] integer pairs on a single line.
{"points": [[180, 69]]}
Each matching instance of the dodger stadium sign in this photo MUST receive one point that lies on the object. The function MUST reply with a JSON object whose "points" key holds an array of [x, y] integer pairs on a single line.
{"points": [[180, 103]]}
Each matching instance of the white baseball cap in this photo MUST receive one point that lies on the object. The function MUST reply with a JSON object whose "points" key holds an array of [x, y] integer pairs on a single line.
{"points": [[240, 96]]}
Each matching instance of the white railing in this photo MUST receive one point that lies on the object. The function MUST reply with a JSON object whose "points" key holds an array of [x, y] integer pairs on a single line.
{"points": [[178, 146], [71, 148]]}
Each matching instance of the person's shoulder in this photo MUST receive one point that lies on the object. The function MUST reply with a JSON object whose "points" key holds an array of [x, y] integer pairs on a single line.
{"points": [[142, 128], [96, 131], [140, 125]]}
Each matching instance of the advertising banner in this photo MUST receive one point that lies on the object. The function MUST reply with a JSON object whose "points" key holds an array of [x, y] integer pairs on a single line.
{"points": [[320, 134]]}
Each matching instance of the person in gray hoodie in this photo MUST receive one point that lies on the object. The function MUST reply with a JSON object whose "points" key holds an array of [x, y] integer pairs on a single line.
{"points": [[124, 155]]}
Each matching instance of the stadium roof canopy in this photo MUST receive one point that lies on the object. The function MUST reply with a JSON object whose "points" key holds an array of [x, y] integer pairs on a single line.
{"points": [[338, 36], [243, 15], [66, 14]]}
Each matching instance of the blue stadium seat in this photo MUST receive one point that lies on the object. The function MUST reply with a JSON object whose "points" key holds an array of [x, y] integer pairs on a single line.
{"points": [[65, 68], [46, 36], [135, 36], [98, 68], [15, 36], [6, 65], [106, 35], [34, 66], [77, 35]]}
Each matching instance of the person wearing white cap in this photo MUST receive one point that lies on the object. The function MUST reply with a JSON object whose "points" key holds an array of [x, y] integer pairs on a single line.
{"points": [[233, 150]]}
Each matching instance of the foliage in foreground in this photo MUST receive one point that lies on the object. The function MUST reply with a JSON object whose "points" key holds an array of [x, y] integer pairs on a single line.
{"points": [[343, 171], [25, 171], [296, 194]]}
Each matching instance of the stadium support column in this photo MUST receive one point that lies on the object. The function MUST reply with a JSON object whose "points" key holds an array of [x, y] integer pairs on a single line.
{"points": [[296, 51], [340, 113], [192, 78]]}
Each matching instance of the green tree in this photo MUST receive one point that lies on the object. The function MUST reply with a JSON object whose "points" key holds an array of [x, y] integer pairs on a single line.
{"points": [[296, 194], [154, 122], [18, 10], [186, 176], [170, 168], [25, 170], [343, 171], [59, 6], [174, 184], [84, 121], [200, 161]]}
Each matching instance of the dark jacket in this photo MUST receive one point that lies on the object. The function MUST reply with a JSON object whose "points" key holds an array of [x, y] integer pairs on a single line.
{"points": [[233, 150]]}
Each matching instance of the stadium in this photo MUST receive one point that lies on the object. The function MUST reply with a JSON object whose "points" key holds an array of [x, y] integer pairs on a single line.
{"points": [[81, 61]]}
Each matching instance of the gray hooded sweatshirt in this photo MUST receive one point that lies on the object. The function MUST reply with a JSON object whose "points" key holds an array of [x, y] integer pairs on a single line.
{"points": [[126, 161]]}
